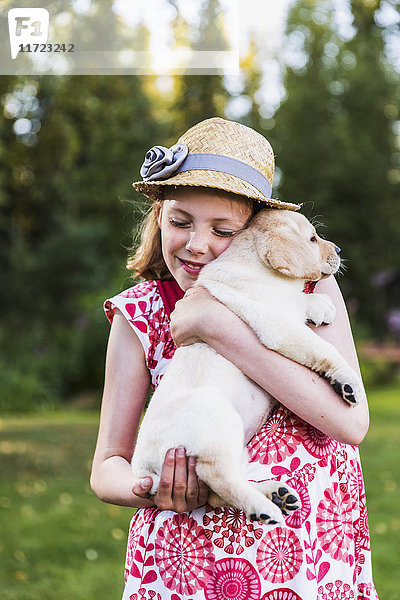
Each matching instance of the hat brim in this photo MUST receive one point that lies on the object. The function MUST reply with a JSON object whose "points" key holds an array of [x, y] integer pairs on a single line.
{"points": [[210, 179]]}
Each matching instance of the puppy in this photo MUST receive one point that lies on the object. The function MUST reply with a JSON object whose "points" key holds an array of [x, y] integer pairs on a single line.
{"points": [[210, 407]]}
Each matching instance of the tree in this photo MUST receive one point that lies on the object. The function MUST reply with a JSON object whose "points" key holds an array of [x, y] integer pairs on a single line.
{"points": [[62, 218], [334, 140], [202, 96], [69, 149]]}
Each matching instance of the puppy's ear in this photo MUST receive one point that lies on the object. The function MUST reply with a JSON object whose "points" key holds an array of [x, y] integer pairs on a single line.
{"points": [[290, 254]]}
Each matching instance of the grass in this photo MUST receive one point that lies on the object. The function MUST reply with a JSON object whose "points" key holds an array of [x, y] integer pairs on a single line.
{"points": [[380, 454], [59, 541]]}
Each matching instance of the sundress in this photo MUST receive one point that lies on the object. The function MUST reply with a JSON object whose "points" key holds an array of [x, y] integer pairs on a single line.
{"points": [[324, 551]]}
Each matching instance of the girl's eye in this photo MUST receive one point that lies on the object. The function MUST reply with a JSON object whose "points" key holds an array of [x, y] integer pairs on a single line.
{"points": [[223, 233], [176, 223], [183, 224]]}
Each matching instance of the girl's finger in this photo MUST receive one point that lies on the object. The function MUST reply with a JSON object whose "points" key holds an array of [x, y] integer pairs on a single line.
{"points": [[203, 492], [165, 487], [192, 492], [180, 480], [143, 487]]}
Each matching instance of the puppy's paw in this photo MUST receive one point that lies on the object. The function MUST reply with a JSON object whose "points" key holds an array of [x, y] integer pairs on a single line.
{"points": [[265, 512], [349, 387], [347, 392], [320, 309], [286, 499]]}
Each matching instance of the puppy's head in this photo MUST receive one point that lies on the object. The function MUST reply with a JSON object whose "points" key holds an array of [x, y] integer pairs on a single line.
{"points": [[288, 242]]}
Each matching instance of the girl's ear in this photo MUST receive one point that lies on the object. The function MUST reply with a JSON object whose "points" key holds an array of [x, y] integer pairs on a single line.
{"points": [[159, 208]]}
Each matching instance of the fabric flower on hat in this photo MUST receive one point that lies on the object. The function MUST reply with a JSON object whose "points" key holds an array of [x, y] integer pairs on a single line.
{"points": [[161, 162]]}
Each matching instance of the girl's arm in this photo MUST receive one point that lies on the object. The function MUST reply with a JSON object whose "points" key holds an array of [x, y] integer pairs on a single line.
{"points": [[311, 397], [126, 387]]}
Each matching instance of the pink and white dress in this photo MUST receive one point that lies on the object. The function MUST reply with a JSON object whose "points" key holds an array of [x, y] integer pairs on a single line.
{"points": [[324, 551]]}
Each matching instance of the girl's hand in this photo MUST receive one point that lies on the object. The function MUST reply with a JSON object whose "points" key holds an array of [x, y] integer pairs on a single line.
{"points": [[191, 314], [179, 489]]}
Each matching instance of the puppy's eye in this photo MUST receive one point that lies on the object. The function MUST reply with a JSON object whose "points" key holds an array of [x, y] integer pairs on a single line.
{"points": [[313, 238]]}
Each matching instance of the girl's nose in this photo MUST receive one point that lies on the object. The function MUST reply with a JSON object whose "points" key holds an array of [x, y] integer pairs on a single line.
{"points": [[198, 243]]}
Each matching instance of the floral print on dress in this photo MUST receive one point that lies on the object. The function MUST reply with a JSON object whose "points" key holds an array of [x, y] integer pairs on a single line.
{"points": [[336, 591], [281, 594], [143, 308], [317, 443], [277, 439], [209, 553], [183, 554], [366, 591], [280, 555], [233, 579], [334, 524], [144, 594], [138, 521], [159, 337], [353, 484], [230, 529], [361, 526], [297, 518]]}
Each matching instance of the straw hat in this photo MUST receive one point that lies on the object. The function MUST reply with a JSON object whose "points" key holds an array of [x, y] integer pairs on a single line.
{"points": [[215, 153]]}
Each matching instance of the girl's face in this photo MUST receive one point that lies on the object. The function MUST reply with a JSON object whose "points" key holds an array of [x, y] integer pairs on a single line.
{"points": [[197, 225]]}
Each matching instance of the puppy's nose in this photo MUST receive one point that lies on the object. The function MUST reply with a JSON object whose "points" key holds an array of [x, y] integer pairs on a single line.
{"points": [[338, 250]]}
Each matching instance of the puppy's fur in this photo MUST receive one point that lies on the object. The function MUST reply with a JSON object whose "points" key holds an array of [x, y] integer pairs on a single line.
{"points": [[205, 403]]}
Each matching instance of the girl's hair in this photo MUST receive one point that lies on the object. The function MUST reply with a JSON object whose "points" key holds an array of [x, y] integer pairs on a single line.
{"points": [[147, 261]]}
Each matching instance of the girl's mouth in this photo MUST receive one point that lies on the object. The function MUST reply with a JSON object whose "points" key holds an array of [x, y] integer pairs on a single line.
{"points": [[191, 267]]}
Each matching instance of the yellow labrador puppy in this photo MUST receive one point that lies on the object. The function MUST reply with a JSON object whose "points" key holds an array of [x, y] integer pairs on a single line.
{"points": [[205, 403]]}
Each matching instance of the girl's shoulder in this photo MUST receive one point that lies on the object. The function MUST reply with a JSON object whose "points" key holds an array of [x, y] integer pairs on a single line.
{"points": [[136, 300], [142, 307], [147, 307]]}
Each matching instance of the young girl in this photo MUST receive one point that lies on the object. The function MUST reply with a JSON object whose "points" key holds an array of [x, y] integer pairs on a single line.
{"points": [[205, 189]]}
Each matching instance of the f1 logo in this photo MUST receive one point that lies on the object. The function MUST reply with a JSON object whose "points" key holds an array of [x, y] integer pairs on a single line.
{"points": [[27, 26]]}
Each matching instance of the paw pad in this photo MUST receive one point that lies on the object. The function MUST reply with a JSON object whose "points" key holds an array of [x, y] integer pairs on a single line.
{"points": [[263, 517], [346, 391], [285, 500]]}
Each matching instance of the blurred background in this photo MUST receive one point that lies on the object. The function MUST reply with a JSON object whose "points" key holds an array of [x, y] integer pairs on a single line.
{"points": [[318, 78]]}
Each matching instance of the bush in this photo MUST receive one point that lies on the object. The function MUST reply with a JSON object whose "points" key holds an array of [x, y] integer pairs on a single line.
{"points": [[24, 390]]}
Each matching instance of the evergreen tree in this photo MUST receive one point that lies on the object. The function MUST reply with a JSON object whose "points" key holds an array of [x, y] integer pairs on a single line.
{"points": [[62, 219], [335, 143], [198, 97]]}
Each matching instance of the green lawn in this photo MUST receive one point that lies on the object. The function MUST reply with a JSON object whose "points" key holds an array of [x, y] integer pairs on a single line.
{"points": [[380, 453], [58, 542]]}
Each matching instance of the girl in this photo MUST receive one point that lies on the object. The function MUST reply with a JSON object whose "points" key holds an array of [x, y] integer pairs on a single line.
{"points": [[205, 189]]}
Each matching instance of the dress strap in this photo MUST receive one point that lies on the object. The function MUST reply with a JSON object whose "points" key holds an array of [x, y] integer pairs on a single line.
{"points": [[170, 293], [310, 287]]}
